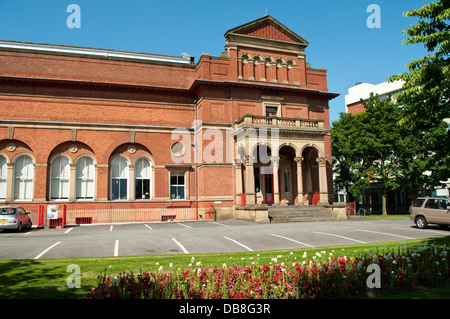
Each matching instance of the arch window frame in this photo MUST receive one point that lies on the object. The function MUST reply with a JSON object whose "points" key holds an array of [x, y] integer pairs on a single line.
{"points": [[143, 182], [23, 185], [3, 177], [124, 175], [85, 183], [62, 179]]}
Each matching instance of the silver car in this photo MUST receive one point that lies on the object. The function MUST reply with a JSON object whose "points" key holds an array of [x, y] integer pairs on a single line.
{"points": [[14, 217], [431, 210]]}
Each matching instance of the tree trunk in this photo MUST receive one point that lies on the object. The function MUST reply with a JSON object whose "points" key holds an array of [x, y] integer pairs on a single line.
{"points": [[384, 199]]}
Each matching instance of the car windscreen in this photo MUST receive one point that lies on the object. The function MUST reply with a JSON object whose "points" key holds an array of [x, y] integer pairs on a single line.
{"points": [[7, 211]]}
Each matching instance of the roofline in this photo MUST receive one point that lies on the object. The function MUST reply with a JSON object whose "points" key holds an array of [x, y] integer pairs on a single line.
{"points": [[268, 17], [92, 52]]}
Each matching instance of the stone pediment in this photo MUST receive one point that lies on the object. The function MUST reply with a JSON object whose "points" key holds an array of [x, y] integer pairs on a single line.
{"points": [[266, 31]]}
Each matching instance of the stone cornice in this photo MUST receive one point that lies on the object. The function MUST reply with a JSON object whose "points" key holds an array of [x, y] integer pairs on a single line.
{"points": [[261, 86]]}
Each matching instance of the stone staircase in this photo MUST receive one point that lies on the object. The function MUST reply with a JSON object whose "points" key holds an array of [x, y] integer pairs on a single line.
{"points": [[301, 213]]}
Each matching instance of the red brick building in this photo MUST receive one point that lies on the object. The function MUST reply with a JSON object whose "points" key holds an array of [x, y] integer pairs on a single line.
{"points": [[250, 127]]}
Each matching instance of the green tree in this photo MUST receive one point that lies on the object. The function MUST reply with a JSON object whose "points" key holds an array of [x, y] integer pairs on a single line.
{"points": [[426, 95], [366, 148], [343, 151]]}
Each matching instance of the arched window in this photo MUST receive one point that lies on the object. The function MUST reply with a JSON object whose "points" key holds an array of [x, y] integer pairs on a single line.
{"points": [[143, 174], [119, 179], [85, 173], [60, 178], [3, 172], [23, 178]]}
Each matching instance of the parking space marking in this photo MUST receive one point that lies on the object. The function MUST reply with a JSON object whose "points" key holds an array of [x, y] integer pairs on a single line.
{"points": [[216, 223], [293, 240], [111, 228], [184, 225], [389, 234], [358, 241], [68, 230], [148, 227], [116, 248], [46, 250], [181, 246], [236, 242], [416, 229]]}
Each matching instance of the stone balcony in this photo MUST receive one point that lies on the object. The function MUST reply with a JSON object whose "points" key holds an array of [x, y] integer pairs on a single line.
{"points": [[283, 123]]}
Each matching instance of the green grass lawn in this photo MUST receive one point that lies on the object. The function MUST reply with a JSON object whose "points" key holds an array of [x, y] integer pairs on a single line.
{"points": [[47, 278]]}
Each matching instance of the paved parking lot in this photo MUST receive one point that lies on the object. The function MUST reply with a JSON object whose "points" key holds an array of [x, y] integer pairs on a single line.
{"points": [[201, 237]]}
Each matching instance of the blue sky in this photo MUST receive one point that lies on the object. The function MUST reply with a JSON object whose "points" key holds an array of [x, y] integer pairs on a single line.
{"points": [[339, 37]]}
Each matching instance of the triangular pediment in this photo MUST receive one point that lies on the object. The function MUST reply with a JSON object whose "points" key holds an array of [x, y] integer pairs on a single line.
{"points": [[267, 27]]}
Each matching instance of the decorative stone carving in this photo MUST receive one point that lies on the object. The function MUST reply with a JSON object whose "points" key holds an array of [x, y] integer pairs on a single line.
{"points": [[249, 159], [322, 160], [11, 147], [132, 149], [275, 160], [73, 148]]}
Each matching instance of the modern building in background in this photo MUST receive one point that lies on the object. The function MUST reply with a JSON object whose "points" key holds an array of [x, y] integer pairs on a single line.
{"points": [[248, 127], [396, 200], [362, 91]]}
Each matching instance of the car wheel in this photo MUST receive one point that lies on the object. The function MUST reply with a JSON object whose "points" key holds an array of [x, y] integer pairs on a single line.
{"points": [[19, 227], [29, 224], [421, 222]]}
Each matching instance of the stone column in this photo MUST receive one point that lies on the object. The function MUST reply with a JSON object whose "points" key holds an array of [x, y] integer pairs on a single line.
{"points": [[9, 182], [238, 165], [131, 183], [323, 187], [249, 180], [73, 182], [276, 180], [299, 180]]}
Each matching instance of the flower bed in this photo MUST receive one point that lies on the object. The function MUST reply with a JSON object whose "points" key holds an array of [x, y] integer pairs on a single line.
{"points": [[321, 276]]}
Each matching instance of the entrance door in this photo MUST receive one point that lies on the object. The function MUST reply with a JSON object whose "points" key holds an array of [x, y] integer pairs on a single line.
{"points": [[268, 183]]}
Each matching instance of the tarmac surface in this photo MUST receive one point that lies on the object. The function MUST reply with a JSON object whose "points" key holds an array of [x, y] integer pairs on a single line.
{"points": [[202, 237]]}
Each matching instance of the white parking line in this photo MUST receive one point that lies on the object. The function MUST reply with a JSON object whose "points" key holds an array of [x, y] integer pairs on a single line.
{"points": [[184, 225], [236, 242], [219, 224], [358, 241], [422, 230], [116, 248], [295, 241], [181, 246], [148, 227], [40, 255], [68, 230], [389, 234], [111, 228]]}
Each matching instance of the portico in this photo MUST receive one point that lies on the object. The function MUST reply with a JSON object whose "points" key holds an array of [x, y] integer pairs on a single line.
{"points": [[280, 161]]}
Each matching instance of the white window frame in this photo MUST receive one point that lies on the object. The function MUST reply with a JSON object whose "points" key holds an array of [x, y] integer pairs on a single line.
{"points": [[59, 179], [112, 178], [177, 173], [3, 178], [84, 179], [149, 177], [18, 180]]}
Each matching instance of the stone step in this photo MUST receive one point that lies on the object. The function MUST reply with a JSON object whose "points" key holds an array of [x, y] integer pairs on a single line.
{"points": [[300, 214]]}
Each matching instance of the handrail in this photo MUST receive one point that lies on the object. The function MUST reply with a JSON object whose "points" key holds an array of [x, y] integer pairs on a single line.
{"points": [[256, 120]]}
